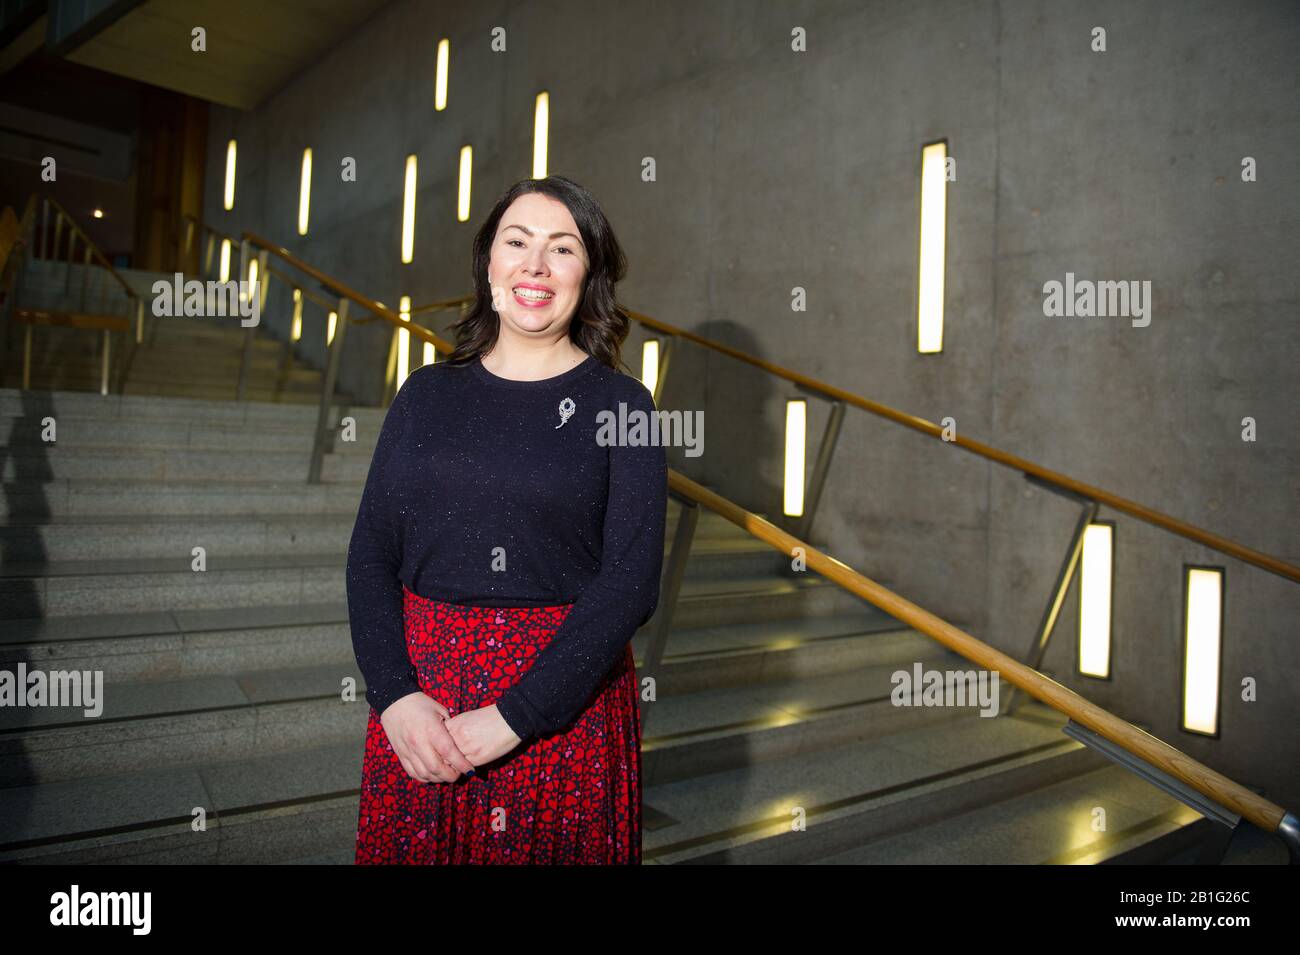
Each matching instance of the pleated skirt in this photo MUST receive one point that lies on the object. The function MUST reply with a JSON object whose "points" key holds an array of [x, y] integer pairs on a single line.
{"points": [[570, 797]]}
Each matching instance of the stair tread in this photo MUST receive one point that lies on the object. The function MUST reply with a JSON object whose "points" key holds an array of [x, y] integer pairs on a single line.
{"points": [[848, 777], [153, 699], [1042, 826], [160, 623], [732, 637], [131, 406], [783, 700], [26, 522], [157, 797], [177, 564]]}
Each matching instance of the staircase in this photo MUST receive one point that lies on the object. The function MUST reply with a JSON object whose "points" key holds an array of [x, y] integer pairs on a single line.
{"points": [[193, 357], [222, 687]]}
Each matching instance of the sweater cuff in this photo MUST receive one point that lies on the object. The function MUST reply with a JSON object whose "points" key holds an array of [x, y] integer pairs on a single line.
{"points": [[518, 714], [383, 696]]}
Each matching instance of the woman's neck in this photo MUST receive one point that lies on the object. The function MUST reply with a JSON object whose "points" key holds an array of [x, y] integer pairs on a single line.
{"points": [[532, 364]]}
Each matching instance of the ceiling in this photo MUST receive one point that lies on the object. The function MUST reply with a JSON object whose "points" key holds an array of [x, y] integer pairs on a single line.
{"points": [[254, 47]]}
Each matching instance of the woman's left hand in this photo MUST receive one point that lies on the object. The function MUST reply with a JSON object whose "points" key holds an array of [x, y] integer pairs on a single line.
{"points": [[482, 735]]}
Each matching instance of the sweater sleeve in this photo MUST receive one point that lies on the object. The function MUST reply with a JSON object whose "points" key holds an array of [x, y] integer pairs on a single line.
{"points": [[374, 589], [610, 609]]}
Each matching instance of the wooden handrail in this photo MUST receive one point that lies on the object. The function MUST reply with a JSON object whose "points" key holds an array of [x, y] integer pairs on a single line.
{"points": [[1265, 814], [1260, 811], [1046, 475], [351, 294], [72, 224]]}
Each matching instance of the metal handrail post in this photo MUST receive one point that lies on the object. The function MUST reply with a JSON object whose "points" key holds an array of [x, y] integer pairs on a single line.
{"points": [[830, 437], [246, 359], [323, 428], [72, 253], [665, 352], [104, 362], [85, 279], [1056, 599], [58, 235], [672, 585], [1288, 831]]}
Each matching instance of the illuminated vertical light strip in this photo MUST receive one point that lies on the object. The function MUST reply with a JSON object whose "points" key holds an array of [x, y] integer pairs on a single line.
{"points": [[296, 332], [1096, 576], [403, 341], [440, 84], [541, 124], [408, 212], [796, 425], [304, 192], [225, 260], [230, 175], [650, 364], [430, 353], [929, 319], [463, 190], [329, 332], [252, 281], [1202, 645]]}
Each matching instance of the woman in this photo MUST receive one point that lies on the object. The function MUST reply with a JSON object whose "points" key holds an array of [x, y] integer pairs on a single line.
{"points": [[505, 551]]}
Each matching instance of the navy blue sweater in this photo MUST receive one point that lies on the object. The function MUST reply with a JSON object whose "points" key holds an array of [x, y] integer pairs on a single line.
{"points": [[468, 462]]}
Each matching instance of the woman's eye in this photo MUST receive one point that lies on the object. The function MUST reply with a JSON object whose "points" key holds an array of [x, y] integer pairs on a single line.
{"points": [[562, 248]]}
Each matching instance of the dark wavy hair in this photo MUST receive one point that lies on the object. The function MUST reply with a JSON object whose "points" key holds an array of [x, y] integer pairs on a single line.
{"points": [[599, 325]]}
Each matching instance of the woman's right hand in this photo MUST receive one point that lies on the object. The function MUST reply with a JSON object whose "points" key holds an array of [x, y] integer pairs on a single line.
{"points": [[418, 737]]}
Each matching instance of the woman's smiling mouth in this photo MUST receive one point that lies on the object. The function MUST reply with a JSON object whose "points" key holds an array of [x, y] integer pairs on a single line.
{"points": [[532, 296]]}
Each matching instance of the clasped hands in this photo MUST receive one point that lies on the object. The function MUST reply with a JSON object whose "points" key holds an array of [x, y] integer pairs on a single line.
{"points": [[435, 746]]}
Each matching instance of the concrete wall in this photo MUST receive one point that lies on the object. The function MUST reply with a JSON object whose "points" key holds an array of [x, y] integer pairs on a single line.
{"points": [[778, 169]]}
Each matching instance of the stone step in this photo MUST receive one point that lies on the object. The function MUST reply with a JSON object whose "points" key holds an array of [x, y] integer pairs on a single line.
{"points": [[951, 790], [115, 536], [56, 463], [155, 369], [66, 498], [256, 390], [33, 538], [871, 799], [263, 809], [176, 644], [34, 589], [14, 401], [225, 641], [204, 717], [228, 712], [78, 497], [93, 432], [183, 722], [208, 725], [1047, 825], [213, 348]]}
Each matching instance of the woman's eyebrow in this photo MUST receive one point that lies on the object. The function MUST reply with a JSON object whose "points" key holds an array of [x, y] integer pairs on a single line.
{"points": [[553, 235]]}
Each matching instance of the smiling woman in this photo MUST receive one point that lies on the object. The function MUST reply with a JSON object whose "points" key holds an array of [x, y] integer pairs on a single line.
{"points": [[503, 557]]}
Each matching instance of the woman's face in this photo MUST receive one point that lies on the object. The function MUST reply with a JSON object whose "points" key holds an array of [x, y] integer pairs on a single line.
{"points": [[536, 251]]}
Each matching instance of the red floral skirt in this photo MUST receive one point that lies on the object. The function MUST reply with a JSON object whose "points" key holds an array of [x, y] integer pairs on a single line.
{"points": [[570, 797]]}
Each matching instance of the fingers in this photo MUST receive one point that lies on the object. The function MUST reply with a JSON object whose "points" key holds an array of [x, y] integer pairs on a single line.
{"points": [[423, 762], [445, 745], [416, 770], [424, 749]]}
